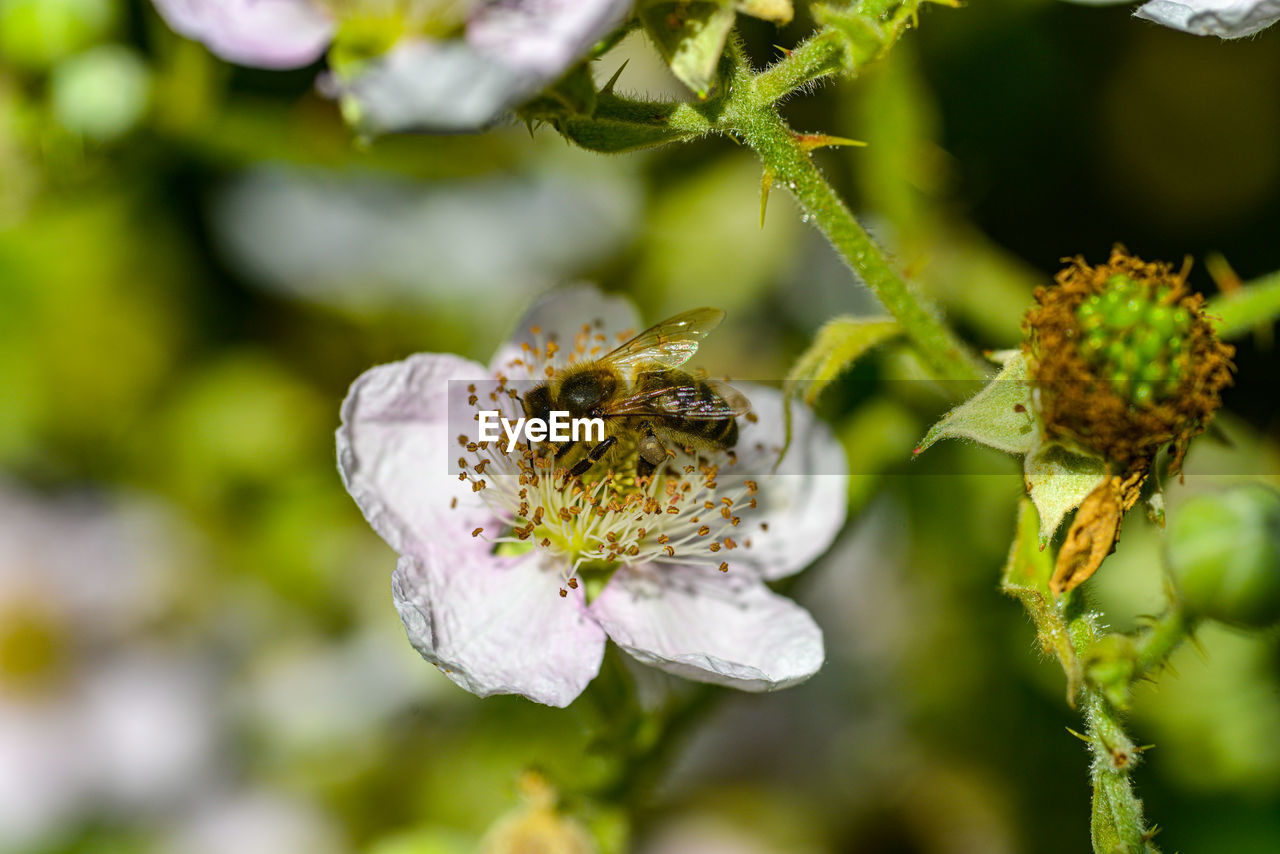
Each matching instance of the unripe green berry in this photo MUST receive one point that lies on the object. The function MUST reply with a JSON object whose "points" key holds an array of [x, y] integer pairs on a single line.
{"points": [[1224, 556]]}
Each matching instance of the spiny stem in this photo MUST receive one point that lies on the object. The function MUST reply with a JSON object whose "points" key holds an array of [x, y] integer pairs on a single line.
{"points": [[791, 167], [1118, 825], [1159, 640]]}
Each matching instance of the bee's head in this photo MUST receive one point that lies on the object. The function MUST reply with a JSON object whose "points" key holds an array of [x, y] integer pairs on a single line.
{"points": [[537, 403], [582, 392]]}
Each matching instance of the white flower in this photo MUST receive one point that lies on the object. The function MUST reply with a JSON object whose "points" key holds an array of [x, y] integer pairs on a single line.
{"points": [[508, 51], [684, 559], [1229, 19]]}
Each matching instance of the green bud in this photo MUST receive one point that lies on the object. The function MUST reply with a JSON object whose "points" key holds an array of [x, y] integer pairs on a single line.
{"points": [[1224, 556]]}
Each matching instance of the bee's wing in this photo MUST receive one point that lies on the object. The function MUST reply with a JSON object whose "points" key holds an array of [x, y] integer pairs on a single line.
{"points": [[670, 343], [683, 401]]}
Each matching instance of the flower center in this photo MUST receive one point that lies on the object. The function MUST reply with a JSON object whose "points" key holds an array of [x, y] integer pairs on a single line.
{"points": [[608, 517], [1135, 334]]}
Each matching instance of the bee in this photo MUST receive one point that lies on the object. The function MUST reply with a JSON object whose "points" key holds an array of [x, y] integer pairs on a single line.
{"points": [[640, 393]]}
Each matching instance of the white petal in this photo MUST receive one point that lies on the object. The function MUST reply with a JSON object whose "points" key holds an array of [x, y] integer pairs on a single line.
{"points": [[803, 504], [561, 314], [432, 85], [261, 33], [394, 448], [498, 625], [710, 626], [543, 37], [1229, 19]]}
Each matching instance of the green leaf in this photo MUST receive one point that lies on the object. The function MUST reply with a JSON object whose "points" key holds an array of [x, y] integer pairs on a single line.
{"points": [[1058, 480], [839, 343], [691, 37], [618, 125], [999, 416], [1026, 578]]}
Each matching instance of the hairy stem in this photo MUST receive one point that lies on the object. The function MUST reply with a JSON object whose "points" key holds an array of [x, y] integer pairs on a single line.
{"points": [[787, 161], [1118, 825]]}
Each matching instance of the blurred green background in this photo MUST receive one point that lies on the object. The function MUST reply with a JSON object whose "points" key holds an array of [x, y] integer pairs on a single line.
{"points": [[198, 650]]}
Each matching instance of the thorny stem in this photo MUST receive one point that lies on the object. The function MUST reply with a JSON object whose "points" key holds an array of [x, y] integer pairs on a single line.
{"points": [[1118, 825], [1067, 629], [790, 165], [1159, 640], [746, 109]]}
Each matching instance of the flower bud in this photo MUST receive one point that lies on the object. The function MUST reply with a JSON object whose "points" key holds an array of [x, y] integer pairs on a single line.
{"points": [[1224, 556]]}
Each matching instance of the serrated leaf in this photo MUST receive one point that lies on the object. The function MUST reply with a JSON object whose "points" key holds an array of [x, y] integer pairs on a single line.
{"points": [[1058, 480], [691, 38], [839, 343], [1000, 416]]}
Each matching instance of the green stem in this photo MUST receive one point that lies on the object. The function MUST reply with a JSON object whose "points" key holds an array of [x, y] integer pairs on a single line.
{"points": [[1118, 825], [789, 164], [1255, 305], [811, 60], [1159, 640]]}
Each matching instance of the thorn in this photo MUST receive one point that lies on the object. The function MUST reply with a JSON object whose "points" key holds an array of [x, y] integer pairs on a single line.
{"points": [[608, 87], [1227, 280], [1083, 738], [811, 141], [766, 183], [528, 123], [782, 50]]}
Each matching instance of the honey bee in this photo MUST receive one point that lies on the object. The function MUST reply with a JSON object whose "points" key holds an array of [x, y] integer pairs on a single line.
{"points": [[640, 393]]}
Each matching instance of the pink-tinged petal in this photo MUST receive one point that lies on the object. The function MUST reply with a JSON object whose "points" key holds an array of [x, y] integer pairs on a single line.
{"points": [[498, 625], [422, 84], [260, 33], [395, 448], [1229, 19], [560, 316], [542, 38], [802, 506], [710, 626]]}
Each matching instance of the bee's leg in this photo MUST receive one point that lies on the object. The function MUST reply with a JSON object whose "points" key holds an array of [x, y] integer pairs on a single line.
{"points": [[650, 454], [565, 448], [593, 456]]}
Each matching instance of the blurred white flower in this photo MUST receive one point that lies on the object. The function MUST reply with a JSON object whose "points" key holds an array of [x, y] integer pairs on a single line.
{"points": [[261, 33], [91, 720], [511, 50], [683, 559], [506, 53], [365, 242], [252, 822]]}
